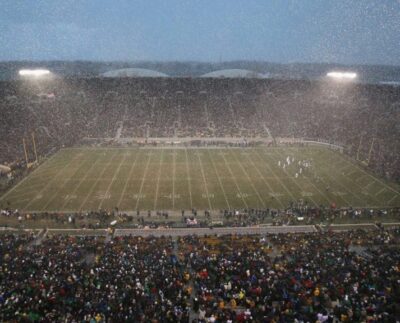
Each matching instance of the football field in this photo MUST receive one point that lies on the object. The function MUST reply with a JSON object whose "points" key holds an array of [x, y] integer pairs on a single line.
{"points": [[81, 179]]}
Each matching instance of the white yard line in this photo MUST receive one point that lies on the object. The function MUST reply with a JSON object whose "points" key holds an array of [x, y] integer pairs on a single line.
{"points": [[264, 179], [249, 179], [369, 184], [375, 178], [381, 191], [42, 172], [354, 182], [158, 181], [127, 179], [51, 181], [143, 180], [80, 182], [97, 180], [392, 199], [204, 180], [54, 195], [29, 188], [112, 180], [28, 176], [173, 178], [351, 173], [219, 180], [360, 178], [54, 166], [326, 197], [234, 179], [23, 194], [343, 187], [276, 177], [188, 177]]}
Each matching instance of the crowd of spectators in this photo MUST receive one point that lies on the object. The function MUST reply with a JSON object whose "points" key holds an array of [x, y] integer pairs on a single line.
{"points": [[315, 277], [75, 279], [362, 118], [304, 277]]}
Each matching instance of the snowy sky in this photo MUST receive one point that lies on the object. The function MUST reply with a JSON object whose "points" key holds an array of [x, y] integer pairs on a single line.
{"points": [[340, 31]]}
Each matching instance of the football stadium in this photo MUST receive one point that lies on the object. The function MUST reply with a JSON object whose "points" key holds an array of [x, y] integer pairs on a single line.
{"points": [[207, 144], [145, 179], [206, 178]]}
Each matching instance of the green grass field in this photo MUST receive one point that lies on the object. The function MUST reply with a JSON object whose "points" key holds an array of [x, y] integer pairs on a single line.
{"points": [[178, 178]]}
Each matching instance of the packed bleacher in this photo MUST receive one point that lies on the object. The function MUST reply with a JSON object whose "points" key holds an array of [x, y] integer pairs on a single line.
{"points": [[362, 118], [295, 277], [304, 277]]}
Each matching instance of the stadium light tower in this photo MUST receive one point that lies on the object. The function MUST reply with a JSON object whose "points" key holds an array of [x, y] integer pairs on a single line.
{"points": [[342, 76], [36, 73]]}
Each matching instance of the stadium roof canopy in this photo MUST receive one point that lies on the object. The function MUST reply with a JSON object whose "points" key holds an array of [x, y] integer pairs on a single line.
{"points": [[133, 72], [234, 73]]}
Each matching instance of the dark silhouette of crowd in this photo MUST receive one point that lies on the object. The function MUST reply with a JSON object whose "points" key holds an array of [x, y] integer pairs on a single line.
{"points": [[61, 112]]}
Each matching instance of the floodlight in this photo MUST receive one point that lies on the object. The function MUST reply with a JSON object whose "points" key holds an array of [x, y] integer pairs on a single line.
{"points": [[342, 75], [34, 72]]}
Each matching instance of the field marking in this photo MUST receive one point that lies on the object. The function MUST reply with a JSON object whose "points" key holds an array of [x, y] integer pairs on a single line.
{"points": [[22, 194], [128, 179], [326, 197], [173, 178], [276, 177], [342, 169], [61, 188], [51, 181], [73, 192], [234, 180], [360, 178], [143, 180], [25, 192], [352, 172], [375, 178], [112, 180], [158, 181], [53, 167], [249, 179], [25, 199], [265, 181], [381, 191], [163, 178], [29, 188], [301, 189], [392, 199], [219, 180], [95, 183], [205, 182], [40, 174], [343, 187], [28, 176], [370, 183], [188, 178], [361, 188]]}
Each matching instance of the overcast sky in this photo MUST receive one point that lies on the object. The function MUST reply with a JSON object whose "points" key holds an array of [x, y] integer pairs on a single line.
{"points": [[340, 31]]}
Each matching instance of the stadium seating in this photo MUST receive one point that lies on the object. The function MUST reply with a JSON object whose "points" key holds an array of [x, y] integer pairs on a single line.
{"points": [[295, 277], [362, 118]]}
